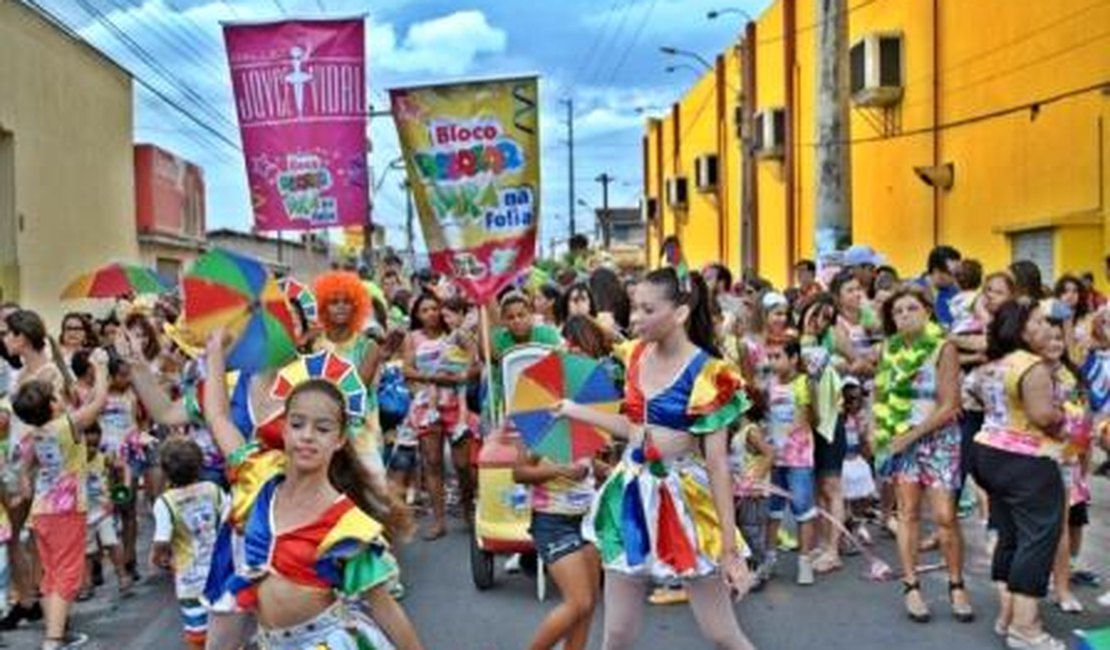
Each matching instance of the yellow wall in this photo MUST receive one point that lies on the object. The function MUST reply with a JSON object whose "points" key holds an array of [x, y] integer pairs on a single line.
{"points": [[698, 225], [68, 111], [1014, 171]]}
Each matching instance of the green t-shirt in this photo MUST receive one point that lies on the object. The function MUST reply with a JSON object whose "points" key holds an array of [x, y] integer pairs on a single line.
{"points": [[543, 334], [502, 341]]}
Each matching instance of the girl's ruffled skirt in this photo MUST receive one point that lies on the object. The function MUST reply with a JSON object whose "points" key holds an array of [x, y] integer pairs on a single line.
{"points": [[658, 520]]}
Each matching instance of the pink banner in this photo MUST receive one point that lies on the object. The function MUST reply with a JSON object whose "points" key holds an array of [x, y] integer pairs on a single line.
{"points": [[300, 94]]}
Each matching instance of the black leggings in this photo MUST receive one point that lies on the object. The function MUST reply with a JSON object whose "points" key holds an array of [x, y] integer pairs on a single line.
{"points": [[1027, 507]]}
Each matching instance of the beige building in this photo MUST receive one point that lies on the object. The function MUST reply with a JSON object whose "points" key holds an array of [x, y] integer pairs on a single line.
{"points": [[304, 256], [67, 198]]}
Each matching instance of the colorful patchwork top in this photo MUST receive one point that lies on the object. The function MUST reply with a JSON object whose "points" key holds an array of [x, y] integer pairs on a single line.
{"points": [[343, 550], [1005, 425], [655, 516], [61, 463]]}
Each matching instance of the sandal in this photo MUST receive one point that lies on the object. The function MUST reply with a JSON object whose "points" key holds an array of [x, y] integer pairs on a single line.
{"points": [[1043, 641], [434, 533], [1070, 605], [827, 563], [961, 611], [1000, 629], [917, 614]]}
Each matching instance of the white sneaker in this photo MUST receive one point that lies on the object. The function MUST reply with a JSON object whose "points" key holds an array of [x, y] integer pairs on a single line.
{"points": [[1104, 599], [512, 565], [805, 570]]}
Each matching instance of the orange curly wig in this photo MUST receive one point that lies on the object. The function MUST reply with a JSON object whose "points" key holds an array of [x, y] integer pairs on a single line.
{"points": [[342, 284]]}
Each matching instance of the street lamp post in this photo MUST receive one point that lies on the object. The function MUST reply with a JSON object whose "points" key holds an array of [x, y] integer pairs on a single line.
{"points": [[674, 51], [671, 69], [717, 13]]}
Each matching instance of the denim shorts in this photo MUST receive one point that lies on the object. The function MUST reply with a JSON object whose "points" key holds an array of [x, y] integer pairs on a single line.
{"points": [[556, 536], [402, 459], [798, 481]]}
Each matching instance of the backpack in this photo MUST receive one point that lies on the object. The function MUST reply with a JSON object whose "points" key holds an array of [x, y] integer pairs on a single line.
{"points": [[394, 397]]}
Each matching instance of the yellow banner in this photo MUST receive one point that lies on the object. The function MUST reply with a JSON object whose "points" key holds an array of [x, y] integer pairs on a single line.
{"points": [[472, 154]]}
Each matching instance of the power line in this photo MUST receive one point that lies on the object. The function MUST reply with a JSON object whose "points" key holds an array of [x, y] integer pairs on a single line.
{"points": [[183, 46], [1036, 104], [151, 62], [64, 27], [280, 7], [603, 53], [635, 39]]}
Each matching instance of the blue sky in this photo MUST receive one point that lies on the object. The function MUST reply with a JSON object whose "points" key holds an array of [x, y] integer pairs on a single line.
{"points": [[604, 54]]}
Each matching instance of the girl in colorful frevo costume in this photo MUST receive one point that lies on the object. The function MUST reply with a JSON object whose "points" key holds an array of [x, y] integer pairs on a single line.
{"points": [[666, 512], [317, 566]]}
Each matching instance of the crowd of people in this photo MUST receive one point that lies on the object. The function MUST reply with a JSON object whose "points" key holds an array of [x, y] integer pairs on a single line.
{"points": [[855, 400]]}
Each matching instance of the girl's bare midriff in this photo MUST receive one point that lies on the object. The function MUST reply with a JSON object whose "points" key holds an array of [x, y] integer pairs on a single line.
{"points": [[283, 603]]}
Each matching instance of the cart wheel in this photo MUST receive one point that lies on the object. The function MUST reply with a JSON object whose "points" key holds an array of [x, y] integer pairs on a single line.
{"points": [[481, 565]]}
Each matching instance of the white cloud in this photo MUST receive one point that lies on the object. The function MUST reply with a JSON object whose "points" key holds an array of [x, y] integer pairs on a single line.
{"points": [[448, 45]]}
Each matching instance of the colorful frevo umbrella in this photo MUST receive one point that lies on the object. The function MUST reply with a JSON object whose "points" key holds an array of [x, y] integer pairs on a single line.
{"points": [[294, 290], [561, 375], [333, 368], [225, 289], [114, 281]]}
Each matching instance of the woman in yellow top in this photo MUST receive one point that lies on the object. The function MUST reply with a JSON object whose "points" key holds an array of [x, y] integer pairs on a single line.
{"points": [[1014, 461]]}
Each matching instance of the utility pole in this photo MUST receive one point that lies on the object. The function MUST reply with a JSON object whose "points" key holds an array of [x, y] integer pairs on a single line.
{"points": [[571, 198], [833, 203], [605, 179], [410, 235]]}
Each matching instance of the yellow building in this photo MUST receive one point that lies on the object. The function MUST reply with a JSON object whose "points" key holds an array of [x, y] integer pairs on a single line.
{"points": [[67, 199], [976, 124]]}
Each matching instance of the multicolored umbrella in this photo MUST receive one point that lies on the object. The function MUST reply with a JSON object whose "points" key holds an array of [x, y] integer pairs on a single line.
{"points": [[324, 365], [116, 280], [294, 290], [561, 375], [225, 289]]}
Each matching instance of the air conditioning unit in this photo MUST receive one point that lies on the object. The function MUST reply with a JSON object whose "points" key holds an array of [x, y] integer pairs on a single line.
{"points": [[705, 173], [770, 132], [876, 70], [676, 192], [649, 209]]}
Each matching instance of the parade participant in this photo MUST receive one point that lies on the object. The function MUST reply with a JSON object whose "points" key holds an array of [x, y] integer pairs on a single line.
{"points": [[316, 562], [917, 401], [101, 534], [789, 423], [343, 308], [186, 518], [141, 448], [128, 448], [545, 303], [679, 397], [517, 328], [435, 406], [25, 340], [611, 302], [856, 326], [772, 325], [1074, 462], [1014, 462], [818, 343], [578, 300], [77, 334], [940, 281], [54, 458], [561, 496]]}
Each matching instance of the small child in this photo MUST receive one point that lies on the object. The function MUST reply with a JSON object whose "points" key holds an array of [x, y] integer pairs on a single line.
{"points": [[965, 315], [186, 519], [101, 524], [790, 429], [750, 460], [124, 442], [458, 359], [858, 480], [54, 460]]}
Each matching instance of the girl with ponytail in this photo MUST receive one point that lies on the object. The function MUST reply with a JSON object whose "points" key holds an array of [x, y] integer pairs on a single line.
{"points": [[680, 399]]}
